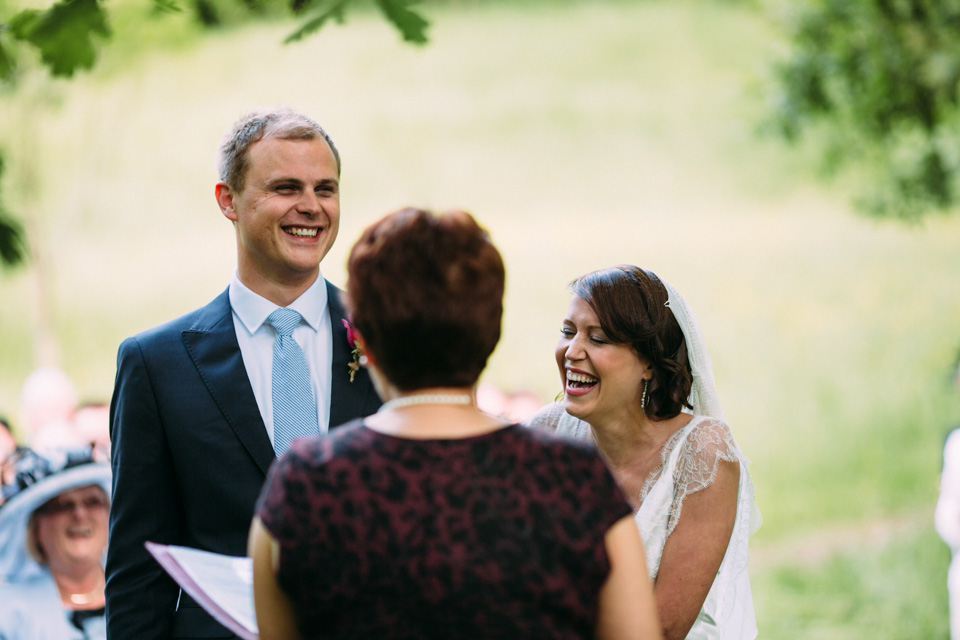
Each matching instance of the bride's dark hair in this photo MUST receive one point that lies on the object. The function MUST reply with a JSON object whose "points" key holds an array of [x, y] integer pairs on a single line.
{"points": [[630, 303]]}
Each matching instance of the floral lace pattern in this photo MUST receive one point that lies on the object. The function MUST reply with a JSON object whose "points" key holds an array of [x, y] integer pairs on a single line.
{"points": [[549, 417], [689, 462], [704, 445]]}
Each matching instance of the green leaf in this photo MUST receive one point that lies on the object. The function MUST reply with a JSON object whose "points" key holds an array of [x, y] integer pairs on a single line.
{"points": [[63, 34], [412, 25], [23, 22], [6, 64], [12, 245], [879, 79], [167, 6], [12, 250], [314, 24]]}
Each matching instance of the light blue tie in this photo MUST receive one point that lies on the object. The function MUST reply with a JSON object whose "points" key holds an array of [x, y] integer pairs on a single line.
{"points": [[294, 407]]}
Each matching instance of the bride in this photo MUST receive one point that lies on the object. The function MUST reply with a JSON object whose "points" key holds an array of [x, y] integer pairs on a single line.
{"points": [[638, 381]]}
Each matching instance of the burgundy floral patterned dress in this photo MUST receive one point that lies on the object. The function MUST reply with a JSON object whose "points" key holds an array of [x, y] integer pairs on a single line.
{"points": [[494, 536]]}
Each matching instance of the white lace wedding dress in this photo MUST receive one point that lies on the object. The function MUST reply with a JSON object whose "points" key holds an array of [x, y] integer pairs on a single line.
{"points": [[688, 464]]}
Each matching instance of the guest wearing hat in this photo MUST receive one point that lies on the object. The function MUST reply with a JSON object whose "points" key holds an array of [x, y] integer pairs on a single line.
{"points": [[8, 443], [53, 536], [8, 448]]}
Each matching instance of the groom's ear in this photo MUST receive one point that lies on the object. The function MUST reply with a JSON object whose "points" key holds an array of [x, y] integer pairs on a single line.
{"points": [[225, 200]]}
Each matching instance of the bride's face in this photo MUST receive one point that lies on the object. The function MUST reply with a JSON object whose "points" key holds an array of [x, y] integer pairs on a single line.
{"points": [[602, 380]]}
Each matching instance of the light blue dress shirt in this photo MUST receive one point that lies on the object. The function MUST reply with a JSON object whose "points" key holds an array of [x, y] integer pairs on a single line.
{"points": [[256, 339]]}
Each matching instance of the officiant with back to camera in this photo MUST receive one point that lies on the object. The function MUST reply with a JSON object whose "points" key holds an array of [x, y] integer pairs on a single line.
{"points": [[430, 518]]}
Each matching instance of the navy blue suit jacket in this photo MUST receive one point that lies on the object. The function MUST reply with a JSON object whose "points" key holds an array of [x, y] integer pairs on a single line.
{"points": [[190, 454]]}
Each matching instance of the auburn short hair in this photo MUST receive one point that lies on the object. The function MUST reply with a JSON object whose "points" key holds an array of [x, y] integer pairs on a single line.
{"points": [[425, 290]]}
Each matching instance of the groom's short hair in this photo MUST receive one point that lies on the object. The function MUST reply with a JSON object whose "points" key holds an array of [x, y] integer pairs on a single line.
{"points": [[282, 123]]}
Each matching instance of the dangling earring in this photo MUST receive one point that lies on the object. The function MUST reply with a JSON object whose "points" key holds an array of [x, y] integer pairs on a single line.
{"points": [[643, 397]]}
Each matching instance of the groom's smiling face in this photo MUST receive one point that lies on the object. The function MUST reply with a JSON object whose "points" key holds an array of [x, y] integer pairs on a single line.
{"points": [[288, 213]]}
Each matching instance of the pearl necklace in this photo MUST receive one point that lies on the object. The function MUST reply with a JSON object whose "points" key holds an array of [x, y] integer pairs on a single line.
{"points": [[85, 598], [88, 597], [425, 398]]}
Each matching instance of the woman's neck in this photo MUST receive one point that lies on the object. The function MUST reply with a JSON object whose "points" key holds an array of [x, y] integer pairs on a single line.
{"points": [[437, 413], [625, 442], [633, 452], [620, 438], [82, 588]]}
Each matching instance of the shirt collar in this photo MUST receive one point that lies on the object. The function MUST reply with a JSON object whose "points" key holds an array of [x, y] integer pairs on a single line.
{"points": [[253, 309]]}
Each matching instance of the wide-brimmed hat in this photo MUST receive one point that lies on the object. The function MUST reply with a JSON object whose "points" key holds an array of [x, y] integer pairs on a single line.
{"points": [[37, 480]]}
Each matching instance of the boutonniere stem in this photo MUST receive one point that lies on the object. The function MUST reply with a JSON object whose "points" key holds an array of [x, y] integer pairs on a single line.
{"points": [[354, 365]]}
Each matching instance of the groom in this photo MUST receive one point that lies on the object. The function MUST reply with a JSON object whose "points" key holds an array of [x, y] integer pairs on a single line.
{"points": [[197, 417]]}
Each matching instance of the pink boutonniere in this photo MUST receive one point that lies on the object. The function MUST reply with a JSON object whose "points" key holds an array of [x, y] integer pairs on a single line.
{"points": [[354, 365]]}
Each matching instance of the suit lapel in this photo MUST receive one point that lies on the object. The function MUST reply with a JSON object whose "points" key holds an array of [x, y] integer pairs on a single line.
{"points": [[213, 347], [347, 399]]}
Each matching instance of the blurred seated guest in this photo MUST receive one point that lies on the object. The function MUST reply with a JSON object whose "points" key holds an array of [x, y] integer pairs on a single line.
{"points": [[639, 382], [512, 407], [8, 445], [432, 519], [522, 404], [48, 399], [91, 422], [490, 399], [57, 437], [53, 535]]}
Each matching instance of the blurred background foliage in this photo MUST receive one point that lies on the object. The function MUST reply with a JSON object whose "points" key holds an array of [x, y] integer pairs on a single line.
{"points": [[880, 81], [582, 133], [66, 37], [875, 82]]}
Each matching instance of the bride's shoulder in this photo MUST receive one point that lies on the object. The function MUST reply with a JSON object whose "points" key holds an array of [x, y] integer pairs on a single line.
{"points": [[555, 419], [707, 437], [703, 448], [546, 418]]}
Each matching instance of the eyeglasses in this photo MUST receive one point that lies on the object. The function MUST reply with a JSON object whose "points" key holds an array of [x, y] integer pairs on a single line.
{"points": [[58, 506]]}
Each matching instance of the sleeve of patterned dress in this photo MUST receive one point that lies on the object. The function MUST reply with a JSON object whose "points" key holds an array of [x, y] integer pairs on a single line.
{"points": [[282, 497], [609, 497]]}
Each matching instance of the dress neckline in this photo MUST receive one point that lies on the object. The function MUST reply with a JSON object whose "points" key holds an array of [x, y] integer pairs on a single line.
{"points": [[668, 447], [450, 440]]}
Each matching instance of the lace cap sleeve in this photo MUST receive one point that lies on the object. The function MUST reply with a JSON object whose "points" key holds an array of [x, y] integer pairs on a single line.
{"points": [[546, 419], [698, 452], [555, 419]]}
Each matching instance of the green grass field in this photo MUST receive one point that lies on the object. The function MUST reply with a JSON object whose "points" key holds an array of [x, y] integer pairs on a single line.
{"points": [[582, 135]]}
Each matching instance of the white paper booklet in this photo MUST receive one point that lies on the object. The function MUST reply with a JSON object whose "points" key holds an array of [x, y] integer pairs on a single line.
{"points": [[222, 585]]}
